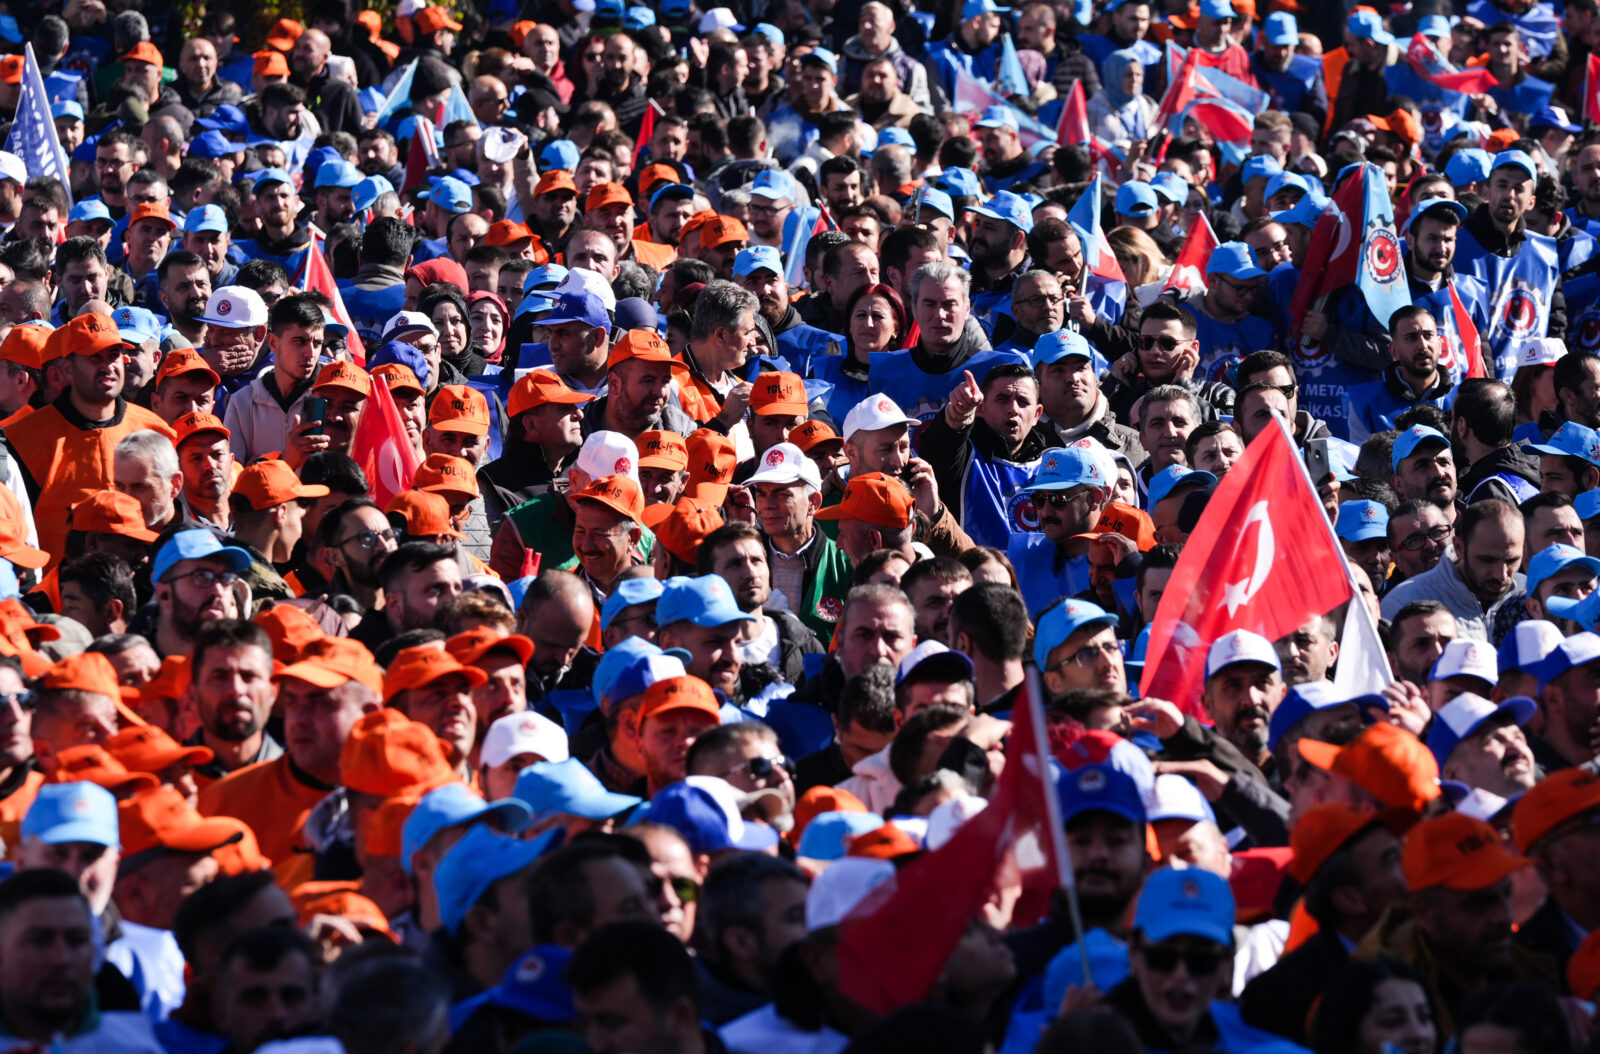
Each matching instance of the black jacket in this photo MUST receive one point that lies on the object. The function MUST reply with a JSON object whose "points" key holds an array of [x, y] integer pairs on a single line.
{"points": [[1513, 460], [1249, 800], [950, 452], [1546, 933], [1280, 1000]]}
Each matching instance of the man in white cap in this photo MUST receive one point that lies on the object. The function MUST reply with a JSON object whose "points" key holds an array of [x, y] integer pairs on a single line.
{"points": [[809, 571], [1244, 685], [236, 329]]}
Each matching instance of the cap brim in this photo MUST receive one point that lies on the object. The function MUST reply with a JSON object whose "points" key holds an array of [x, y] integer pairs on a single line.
{"points": [[205, 836], [758, 837], [311, 673], [78, 831], [1175, 924], [1322, 755], [603, 805], [671, 464], [26, 556]]}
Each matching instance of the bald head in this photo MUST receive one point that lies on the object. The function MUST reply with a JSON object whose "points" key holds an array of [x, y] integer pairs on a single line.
{"points": [[95, 307], [556, 614]]}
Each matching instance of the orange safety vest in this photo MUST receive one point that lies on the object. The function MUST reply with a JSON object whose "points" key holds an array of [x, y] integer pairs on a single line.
{"points": [[652, 255], [1333, 64], [16, 805], [269, 798]]}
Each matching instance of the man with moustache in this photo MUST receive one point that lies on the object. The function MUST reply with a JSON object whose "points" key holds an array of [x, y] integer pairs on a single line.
{"points": [[1069, 491], [1489, 540], [205, 460], [185, 287], [231, 688], [701, 616], [345, 387], [194, 576], [356, 536], [1424, 468], [760, 270]]}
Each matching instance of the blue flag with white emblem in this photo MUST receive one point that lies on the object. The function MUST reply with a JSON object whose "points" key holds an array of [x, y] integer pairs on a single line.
{"points": [[1382, 275], [33, 134]]}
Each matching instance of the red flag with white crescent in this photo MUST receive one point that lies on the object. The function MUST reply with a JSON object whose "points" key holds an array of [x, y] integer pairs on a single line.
{"points": [[381, 447], [1258, 560]]}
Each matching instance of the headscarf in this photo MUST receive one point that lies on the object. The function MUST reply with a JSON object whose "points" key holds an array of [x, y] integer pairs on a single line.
{"points": [[1128, 108], [491, 354]]}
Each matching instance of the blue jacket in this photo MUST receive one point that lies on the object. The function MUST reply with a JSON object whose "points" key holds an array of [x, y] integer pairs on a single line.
{"points": [[1373, 407]]}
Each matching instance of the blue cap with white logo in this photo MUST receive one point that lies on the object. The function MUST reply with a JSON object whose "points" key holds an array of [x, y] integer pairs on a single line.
{"points": [[337, 173], [582, 307], [1572, 440], [1012, 208], [1518, 159], [1407, 442], [1063, 468], [1185, 903], [72, 812], [706, 601], [775, 184], [757, 258], [136, 324], [206, 218], [1062, 344], [1361, 521], [1527, 644], [1062, 621], [1099, 788], [450, 194], [1553, 560], [1169, 479], [1462, 717]]}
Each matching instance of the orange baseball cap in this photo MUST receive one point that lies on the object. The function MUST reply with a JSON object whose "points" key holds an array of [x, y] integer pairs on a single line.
{"points": [[110, 512], [644, 344], [680, 693], [151, 210], [144, 51], [659, 448], [538, 388], [426, 514], [92, 763], [267, 484], [14, 535], [270, 64], [170, 682], [682, 526], [1457, 852], [84, 335], [712, 461], [25, 344], [653, 174], [176, 363], [604, 194], [344, 375], [333, 661], [459, 408], [778, 393], [450, 476], [146, 748], [343, 899], [1583, 969], [1386, 761], [1322, 831], [723, 230], [1501, 139], [388, 754], [400, 378], [291, 630], [87, 671], [160, 818], [419, 667], [886, 843], [284, 33], [198, 422], [874, 498], [818, 800], [471, 645], [507, 232], [619, 493], [1553, 801], [383, 836], [1133, 524], [812, 434], [11, 68], [433, 19], [556, 179]]}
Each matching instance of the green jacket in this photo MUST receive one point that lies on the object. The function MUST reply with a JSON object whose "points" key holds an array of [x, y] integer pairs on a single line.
{"points": [[828, 578], [544, 524]]}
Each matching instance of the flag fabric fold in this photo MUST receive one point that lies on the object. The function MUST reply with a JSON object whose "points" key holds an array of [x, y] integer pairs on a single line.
{"points": [[972, 95], [1009, 78], [381, 447], [1591, 91], [33, 134], [647, 128], [314, 275], [1430, 64], [1189, 269], [1330, 260]]}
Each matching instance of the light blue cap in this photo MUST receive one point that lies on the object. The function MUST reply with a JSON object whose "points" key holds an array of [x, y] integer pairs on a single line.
{"points": [[1407, 442], [614, 660], [998, 117], [822, 57], [366, 193], [1366, 24], [1553, 560], [1236, 260], [932, 198], [1281, 29], [482, 858], [549, 275], [89, 209], [1436, 26], [1361, 521], [1259, 166], [1424, 207], [672, 190], [226, 118], [1012, 208], [195, 544], [1585, 612], [1217, 9], [136, 324], [1286, 180], [72, 812], [628, 592], [694, 811], [1572, 440], [1061, 622], [974, 8], [1062, 344], [894, 135], [706, 601], [450, 194], [638, 18], [551, 788], [558, 153], [452, 805], [771, 32], [206, 218], [1172, 477], [1468, 166], [1187, 903], [372, 100], [757, 258], [775, 184], [1171, 186], [269, 176], [338, 173], [1516, 159], [1063, 468], [1587, 504], [1136, 198], [67, 108], [829, 834], [213, 145], [1304, 212], [959, 182]]}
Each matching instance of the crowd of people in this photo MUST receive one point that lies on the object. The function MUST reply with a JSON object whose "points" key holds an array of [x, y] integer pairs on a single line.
{"points": [[518, 522]]}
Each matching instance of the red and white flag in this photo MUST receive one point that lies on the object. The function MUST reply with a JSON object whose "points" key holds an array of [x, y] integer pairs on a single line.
{"points": [[316, 276], [1591, 91], [1189, 269], [1073, 128], [896, 942], [381, 447], [1259, 559]]}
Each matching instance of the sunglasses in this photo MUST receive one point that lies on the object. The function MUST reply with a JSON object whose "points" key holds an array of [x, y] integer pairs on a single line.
{"points": [[369, 539], [1198, 963], [767, 768], [1058, 499], [24, 701], [1164, 343], [687, 890]]}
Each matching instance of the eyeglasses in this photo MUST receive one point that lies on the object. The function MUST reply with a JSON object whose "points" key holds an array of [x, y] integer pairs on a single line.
{"points": [[1060, 499], [23, 701], [1436, 534], [208, 578], [1092, 654], [1164, 343], [1198, 963], [1043, 300], [686, 889], [370, 539]]}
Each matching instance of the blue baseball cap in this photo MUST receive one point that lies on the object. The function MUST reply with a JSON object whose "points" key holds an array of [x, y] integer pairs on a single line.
{"points": [[822, 57], [771, 32], [608, 8], [1580, 649], [1572, 440], [1281, 29], [553, 788], [136, 324], [450, 194], [398, 351], [316, 159], [1099, 788], [775, 184], [959, 182], [1585, 612], [998, 117], [1304, 212], [1172, 477], [534, 986], [1436, 26], [672, 190], [614, 660], [1063, 468], [1136, 198], [1217, 9], [482, 858], [893, 135], [1555, 559], [206, 218], [829, 834], [1259, 166], [675, 8], [705, 810], [1468, 166], [72, 812], [927, 197], [974, 8], [1302, 701], [1366, 24], [89, 209], [1062, 621], [268, 176], [226, 118], [450, 806], [1236, 260], [1361, 521], [757, 258], [1587, 504], [705, 601], [1062, 344], [628, 592], [466, 175], [338, 173], [195, 544], [1463, 716], [1406, 443], [558, 153], [1285, 181], [1171, 186], [548, 275], [67, 108], [366, 193], [1528, 644], [1187, 903], [1516, 159], [1554, 117], [634, 312], [1012, 208], [582, 307], [1424, 207], [941, 662]]}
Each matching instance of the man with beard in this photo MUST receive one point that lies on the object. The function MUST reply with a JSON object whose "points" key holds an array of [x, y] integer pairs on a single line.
{"points": [[1294, 80], [723, 338], [1419, 534], [1412, 378], [639, 379], [185, 287], [345, 388], [20, 778], [998, 243], [1005, 161], [759, 270], [555, 206], [1308, 654], [269, 509], [1585, 212], [194, 575], [579, 335], [206, 235], [701, 616], [334, 181], [1076, 650], [546, 430], [282, 235], [332, 99], [418, 580], [1070, 491], [205, 461], [1243, 686], [671, 205], [773, 195], [117, 156], [1424, 468], [776, 638], [620, 86], [230, 686], [1488, 553], [357, 536], [1482, 744]]}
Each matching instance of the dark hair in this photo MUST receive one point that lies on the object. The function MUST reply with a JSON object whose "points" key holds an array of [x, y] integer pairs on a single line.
{"points": [[833, 256], [384, 1004], [868, 699], [103, 578], [940, 569], [1161, 311], [76, 250], [212, 905], [48, 193], [1488, 408], [263, 949], [179, 258], [297, 310], [1417, 609], [1481, 511], [1259, 362], [280, 94], [410, 558], [996, 619], [905, 753], [1347, 998], [37, 883], [1363, 489], [227, 633], [656, 960], [923, 1027], [258, 274], [731, 895], [559, 890], [874, 562], [335, 470], [897, 246], [1527, 1009], [387, 242]]}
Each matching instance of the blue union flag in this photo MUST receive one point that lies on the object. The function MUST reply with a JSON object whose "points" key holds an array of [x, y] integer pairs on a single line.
{"points": [[33, 135]]}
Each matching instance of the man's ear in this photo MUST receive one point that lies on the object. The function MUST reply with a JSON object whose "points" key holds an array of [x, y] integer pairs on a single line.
{"points": [[113, 610]]}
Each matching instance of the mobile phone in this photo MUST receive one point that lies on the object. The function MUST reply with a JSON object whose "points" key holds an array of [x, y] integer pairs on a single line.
{"points": [[315, 409], [1317, 463]]}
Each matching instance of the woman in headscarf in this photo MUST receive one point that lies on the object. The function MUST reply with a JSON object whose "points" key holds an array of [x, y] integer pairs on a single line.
{"points": [[1121, 113], [488, 320]]}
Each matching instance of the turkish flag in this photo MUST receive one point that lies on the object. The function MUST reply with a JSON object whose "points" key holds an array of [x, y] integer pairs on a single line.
{"points": [[895, 943], [1074, 125], [381, 447], [1591, 91], [1262, 558], [316, 276], [1332, 258], [1180, 93], [1189, 269]]}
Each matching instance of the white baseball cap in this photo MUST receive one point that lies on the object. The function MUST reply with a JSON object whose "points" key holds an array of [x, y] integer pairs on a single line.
{"points": [[11, 167], [235, 307], [1467, 658], [947, 817], [1540, 351], [409, 322], [407, 8], [524, 733], [1176, 798], [787, 463], [875, 412], [1240, 646], [836, 892], [583, 280], [608, 454], [718, 18], [500, 145]]}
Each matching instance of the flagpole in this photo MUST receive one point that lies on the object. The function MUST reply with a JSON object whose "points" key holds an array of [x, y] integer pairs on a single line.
{"points": [[1058, 833]]}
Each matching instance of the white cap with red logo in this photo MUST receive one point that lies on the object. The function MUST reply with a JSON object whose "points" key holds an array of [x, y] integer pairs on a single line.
{"points": [[524, 733], [875, 412], [785, 464], [608, 454]]}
